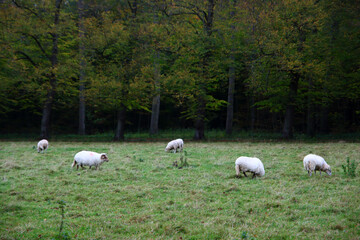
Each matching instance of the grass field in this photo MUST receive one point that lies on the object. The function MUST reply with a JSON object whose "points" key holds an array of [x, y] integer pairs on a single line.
{"points": [[138, 194]]}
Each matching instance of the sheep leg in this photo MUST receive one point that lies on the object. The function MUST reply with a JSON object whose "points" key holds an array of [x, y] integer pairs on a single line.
{"points": [[245, 174], [253, 175], [81, 166], [77, 167]]}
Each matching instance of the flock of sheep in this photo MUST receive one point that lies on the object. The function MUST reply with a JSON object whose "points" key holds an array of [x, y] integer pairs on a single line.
{"points": [[312, 162]]}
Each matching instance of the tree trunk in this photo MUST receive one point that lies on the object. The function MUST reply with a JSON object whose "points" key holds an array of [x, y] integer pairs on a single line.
{"points": [[231, 89], [201, 97], [199, 129], [45, 120], [230, 106], [200, 119], [310, 123], [120, 126], [324, 119], [82, 109], [252, 112], [81, 130], [155, 110], [287, 132]]}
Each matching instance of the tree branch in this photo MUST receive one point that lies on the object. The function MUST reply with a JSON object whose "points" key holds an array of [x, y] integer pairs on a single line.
{"points": [[27, 57], [37, 43], [26, 8]]}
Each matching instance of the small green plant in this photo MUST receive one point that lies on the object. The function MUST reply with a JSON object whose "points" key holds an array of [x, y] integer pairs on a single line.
{"points": [[62, 235], [350, 167], [183, 160]]}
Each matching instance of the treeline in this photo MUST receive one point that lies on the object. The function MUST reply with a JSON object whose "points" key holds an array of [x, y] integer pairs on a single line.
{"points": [[95, 66]]}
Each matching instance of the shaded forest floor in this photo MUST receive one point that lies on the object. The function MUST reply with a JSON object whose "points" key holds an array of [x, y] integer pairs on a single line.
{"points": [[188, 134]]}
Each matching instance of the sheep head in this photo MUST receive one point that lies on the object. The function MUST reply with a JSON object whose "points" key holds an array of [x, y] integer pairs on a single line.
{"points": [[104, 157], [327, 169]]}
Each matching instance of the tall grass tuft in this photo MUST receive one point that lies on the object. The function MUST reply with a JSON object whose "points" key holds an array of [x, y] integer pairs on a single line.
{"points": [[350, 168]]}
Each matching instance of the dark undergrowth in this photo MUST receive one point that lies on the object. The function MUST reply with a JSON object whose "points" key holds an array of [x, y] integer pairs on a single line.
{"points": [[187, 134]]}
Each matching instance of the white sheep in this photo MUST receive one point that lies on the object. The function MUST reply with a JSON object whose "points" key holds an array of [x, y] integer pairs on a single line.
{"points": [[314, 162], [88, 158], [174, 145], [248, 164], [42, 146]]}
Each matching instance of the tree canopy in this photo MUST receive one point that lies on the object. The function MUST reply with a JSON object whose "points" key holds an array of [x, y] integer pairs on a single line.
{"points": [[286, 66]]}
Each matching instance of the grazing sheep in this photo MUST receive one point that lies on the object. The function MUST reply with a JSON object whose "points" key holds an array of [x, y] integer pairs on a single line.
{"points": [[174, 145], [87, 158], [248, 164], [42, 146], [314, 162]]}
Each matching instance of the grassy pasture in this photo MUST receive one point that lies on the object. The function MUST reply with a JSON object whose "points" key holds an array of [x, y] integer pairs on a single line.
{"points": [[138, 194]]}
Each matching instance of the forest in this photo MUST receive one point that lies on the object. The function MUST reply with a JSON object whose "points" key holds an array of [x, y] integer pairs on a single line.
{"points": [[90, 66]]}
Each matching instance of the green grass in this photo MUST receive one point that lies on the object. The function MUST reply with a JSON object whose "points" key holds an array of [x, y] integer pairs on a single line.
{"points": [[138, 194]]}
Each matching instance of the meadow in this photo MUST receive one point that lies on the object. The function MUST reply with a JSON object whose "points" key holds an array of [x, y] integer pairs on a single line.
{"points": [[139, 194]]}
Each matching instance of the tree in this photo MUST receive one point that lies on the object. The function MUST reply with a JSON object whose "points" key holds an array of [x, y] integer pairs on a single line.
{"points": [[195, 68], [82, 112], [116, 73], [39, 27], [287, 58], [155, 110]]}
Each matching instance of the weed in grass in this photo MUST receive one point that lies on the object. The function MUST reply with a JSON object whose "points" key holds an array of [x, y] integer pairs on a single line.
{"points": [[350, 167], [62, 235], [183, 160]]}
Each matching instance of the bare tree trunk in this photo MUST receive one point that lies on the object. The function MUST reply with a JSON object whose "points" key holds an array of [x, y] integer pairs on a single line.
{"points": [[45, 120], [120, 126], [81, 130], [287, 132]]}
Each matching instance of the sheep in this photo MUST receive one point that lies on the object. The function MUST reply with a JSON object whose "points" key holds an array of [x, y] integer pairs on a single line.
{"points": [[248, 164], [88, 158], [314, 162], [42, 146], [174, 145]]}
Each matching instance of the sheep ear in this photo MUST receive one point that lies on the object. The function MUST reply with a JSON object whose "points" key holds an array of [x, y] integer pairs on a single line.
{"points": [[103, 156]]}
